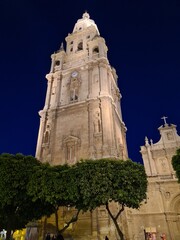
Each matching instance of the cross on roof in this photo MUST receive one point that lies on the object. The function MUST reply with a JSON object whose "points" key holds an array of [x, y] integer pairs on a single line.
{"points": [[164, 118]]}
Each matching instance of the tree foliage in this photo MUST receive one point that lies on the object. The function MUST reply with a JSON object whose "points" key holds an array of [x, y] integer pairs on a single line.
{"points": [[103, 181], [86, 185], [176, 164], [16, 206], [100, 181], [54, 185]]}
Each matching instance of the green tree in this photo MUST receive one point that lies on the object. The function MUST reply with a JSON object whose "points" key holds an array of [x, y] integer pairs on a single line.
{"points": [[103, 181], [55, 185], [176, 164], [16, 206]]}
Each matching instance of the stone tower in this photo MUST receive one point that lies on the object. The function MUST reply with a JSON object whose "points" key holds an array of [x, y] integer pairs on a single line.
{"points": [[82, 116]]}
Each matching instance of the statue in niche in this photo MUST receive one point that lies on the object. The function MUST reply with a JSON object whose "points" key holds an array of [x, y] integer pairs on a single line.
{"points": [[74, 94], [97, 122], [169, 136], [46, 137], [74, 88], [46, 155], [163, 164], [71, 153], [47, 134], [167, 195]]}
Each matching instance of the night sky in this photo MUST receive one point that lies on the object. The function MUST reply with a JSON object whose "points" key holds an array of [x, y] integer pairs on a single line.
{"points": [[143, 39]]}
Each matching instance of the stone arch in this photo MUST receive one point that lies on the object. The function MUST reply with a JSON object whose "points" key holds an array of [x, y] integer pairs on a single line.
{"points": [[174, 205], [80, 46], [95, 50], [174, 217]]}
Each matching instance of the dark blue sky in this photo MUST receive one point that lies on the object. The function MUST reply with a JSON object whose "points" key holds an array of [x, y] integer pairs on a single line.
{"points": [[143, 38]]}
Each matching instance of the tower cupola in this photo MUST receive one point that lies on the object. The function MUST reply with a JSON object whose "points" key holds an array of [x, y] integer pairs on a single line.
{"points": [[85, 22]]}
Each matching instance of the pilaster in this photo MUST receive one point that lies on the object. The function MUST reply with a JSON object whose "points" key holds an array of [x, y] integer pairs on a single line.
{"points": [[49, 89], [40, 135]]}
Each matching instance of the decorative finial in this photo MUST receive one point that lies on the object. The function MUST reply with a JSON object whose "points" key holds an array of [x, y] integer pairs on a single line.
{"points": [[164, 118], [146, 141], [85, 15], [62, 46]]}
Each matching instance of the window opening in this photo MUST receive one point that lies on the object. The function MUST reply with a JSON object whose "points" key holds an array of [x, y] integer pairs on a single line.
{"points": [[57, 63], [80, 46], [96, 50]]}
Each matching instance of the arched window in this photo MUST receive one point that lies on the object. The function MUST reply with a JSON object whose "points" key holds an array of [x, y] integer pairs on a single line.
{"points": [[80, 46], [57, 62], [95, 50]]}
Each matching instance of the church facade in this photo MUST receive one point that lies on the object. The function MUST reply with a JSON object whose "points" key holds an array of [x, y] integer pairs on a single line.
{"points": [[159, 215], [82, 119]]}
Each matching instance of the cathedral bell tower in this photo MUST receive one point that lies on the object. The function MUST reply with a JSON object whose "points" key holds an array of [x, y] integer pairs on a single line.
{"points": [[82, 116]]}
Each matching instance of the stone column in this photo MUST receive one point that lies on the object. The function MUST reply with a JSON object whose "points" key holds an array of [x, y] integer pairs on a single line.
{"points": [[114, 143], [106, 126], [52, 63], [40, 135], [90, 81], [90, 128], [58, 90], [151, 160], [103, 78], [49, 89]]}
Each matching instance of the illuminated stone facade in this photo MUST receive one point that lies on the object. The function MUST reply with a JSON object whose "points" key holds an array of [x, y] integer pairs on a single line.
{"points": [[160, 213], [82, 119], [82, 116]]}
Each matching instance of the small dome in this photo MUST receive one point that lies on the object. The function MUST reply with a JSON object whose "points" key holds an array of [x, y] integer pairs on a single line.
{"points": [[84, 23], [85, 15]]}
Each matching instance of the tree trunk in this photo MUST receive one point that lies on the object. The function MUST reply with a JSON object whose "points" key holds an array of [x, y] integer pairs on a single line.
{"points": [[73, 219], [57, 221], [120, 233], [118, 229], [44, 228], [8, 233]]}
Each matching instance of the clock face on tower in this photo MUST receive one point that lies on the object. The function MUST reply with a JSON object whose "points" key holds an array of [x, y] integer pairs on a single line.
{"points": [[74, 74]]}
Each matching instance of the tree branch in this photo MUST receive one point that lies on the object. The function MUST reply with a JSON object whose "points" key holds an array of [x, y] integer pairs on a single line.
{"points": [[107, 208], [120, 211], [73, 219], [115, 220]]}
